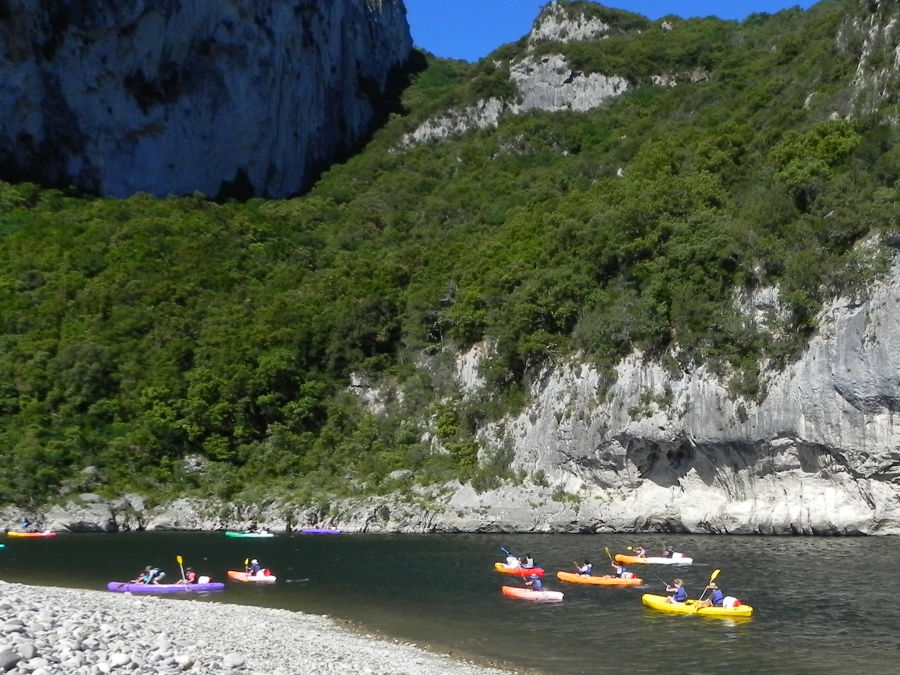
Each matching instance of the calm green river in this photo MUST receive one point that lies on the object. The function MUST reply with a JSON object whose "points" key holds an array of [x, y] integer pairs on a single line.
{"points": [[822, 605]]}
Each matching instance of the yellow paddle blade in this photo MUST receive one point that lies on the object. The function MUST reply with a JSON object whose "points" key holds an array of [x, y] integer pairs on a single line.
{"points": [[713, 576], [179, 559]]}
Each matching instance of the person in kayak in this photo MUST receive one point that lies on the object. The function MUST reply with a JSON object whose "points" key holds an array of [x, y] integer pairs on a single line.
{"points": [[677, 590], [621, 572], [190, 577], [255, 567], [668, 552], [715, 597], [586, 568], [527, 561], [639, 551], [534, 583], [512, 562], [150, 575]]}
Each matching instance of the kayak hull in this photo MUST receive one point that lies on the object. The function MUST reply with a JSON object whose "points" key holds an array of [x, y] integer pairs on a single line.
{"points": [[248, 535], [652, 560], [597, 581], [660, 603], [31, 535], [236, 575], [533, 596], [519, 571], [128, 587], [318, 530]]}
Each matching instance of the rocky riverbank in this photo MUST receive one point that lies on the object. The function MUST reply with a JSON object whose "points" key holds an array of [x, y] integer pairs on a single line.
{"points": [[47, 631]]}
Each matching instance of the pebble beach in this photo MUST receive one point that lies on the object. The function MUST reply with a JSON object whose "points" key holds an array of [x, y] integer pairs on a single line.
{"points": [[48, 630]]}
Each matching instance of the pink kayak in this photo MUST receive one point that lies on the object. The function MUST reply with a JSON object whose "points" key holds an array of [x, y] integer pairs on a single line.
{"points": [[534, 596]]}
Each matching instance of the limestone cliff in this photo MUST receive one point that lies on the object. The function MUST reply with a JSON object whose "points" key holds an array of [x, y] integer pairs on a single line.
{"points": [[234, 97]]}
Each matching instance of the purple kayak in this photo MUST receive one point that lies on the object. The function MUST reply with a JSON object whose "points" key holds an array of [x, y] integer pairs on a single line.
{"points": [[128, 587], [318, 530]]}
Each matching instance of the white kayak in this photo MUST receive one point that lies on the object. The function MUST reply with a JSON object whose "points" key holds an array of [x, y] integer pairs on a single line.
{"points": [[676, 559]]}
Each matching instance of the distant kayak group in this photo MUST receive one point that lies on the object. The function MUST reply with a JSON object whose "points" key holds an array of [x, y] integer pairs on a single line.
{"points": [[676, 600]]}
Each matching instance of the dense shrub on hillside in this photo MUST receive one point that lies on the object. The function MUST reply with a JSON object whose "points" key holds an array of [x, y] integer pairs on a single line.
{"points": [[139, 332]]}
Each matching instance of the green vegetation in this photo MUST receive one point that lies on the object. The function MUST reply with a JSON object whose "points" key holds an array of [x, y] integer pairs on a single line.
{"points": [[136, 333]]}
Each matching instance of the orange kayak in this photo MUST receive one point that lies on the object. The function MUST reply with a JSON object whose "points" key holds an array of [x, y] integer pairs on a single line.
{"points": [[519, 571], [598, 581]]}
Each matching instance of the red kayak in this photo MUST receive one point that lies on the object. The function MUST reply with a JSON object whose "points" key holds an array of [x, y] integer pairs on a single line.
{"points": [[519, 571]]}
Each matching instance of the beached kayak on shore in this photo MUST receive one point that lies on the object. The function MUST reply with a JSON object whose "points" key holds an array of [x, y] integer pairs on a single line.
{"points": [[129, 587], [661, 603], [519, 571], [598, 581], [534, 596]]}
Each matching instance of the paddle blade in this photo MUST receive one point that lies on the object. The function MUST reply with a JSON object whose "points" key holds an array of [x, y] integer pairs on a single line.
{"points": [[713, 576], [608, 554], [179, 559]]}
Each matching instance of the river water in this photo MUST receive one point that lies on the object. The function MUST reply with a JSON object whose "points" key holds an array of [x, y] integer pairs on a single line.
{"points": [[822, 605]]}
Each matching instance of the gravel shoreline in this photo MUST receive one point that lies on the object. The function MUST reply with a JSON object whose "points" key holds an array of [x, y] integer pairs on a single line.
{"points": [[46, 630]]}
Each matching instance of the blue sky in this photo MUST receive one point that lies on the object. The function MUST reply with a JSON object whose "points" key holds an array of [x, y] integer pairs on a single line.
{"points": [[471, 29]]}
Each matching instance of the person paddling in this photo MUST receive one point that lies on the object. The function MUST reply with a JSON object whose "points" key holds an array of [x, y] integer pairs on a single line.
{"points": [[255, 567], [621, 572], [585, 569], [716, 596], [677, 590], [534, 583]]}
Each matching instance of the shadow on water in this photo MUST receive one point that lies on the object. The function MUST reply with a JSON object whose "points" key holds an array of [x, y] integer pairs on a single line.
{"points": [[819, 603]]}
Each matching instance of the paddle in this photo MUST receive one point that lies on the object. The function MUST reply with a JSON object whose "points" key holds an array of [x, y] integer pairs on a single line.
{"points": [[505, 551], [608, 554], [181, 566], [712, 578], [246, 565]]}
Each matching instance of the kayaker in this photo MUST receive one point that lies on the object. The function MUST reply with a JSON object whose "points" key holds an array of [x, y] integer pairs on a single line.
{"points": [[150, 575], [668, 552], [527, 561], [512, 562], [255, 567], [639, 551], [715, 597], [534, 583], [678, 591], [190, 577], [621, 571], [586, 568]]}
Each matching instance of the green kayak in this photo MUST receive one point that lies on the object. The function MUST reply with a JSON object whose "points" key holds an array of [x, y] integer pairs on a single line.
{"points": [[248, 535]]}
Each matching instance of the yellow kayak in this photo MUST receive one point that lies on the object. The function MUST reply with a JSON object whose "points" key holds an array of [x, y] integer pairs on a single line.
{"points": [[598, 581], [661, 603]]}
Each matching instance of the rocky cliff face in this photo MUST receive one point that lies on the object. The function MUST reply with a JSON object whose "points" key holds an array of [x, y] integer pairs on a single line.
{"points": [[658, 451], [233, 97]]}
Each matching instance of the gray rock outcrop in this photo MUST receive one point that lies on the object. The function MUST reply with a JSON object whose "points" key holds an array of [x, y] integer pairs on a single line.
{"points": [[229, 98]]}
